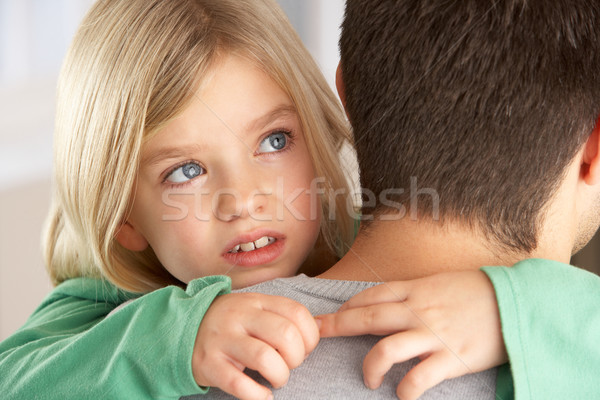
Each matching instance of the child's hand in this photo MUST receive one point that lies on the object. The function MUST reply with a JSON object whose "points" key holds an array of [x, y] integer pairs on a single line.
{"points": [[450, 321], [269, 334]]}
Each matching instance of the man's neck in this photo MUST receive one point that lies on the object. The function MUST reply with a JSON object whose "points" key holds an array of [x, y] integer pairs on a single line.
{"points": [[407, 249]]}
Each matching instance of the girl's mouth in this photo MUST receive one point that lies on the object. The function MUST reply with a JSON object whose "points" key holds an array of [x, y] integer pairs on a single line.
{"points": [[261, 251]]}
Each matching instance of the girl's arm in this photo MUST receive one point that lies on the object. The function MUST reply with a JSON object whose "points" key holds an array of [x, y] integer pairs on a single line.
{"points": [[156, 345], [448, 320], [69, 349], [550, 325], [550, 314]]}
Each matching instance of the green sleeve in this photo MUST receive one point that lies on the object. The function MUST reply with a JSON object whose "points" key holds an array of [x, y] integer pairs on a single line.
{"points": [[70, 348], [550, 319]]}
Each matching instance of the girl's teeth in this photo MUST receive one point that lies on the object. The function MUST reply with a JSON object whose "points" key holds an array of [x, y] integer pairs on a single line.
{"points": [[257, 244], [262, 242], [247, 246]]}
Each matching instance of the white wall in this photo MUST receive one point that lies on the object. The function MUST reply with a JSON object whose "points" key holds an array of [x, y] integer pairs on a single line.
{"points": [[318, 22], [34, 36]]}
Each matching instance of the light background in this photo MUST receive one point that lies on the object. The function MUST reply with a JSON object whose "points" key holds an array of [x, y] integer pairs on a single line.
{"points": [[34, 35]]}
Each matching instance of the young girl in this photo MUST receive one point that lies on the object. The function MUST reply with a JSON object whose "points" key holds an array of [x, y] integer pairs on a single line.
{"points": [[191, 140]]}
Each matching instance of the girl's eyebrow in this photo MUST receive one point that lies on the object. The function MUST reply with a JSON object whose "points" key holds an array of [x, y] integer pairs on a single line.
{"points": [[282, 110], [167, 153]]}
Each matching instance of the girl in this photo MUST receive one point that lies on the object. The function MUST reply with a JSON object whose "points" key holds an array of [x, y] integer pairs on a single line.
{"points": [[181, 125]]}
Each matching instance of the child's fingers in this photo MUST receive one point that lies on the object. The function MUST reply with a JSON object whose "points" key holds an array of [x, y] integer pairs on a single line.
{"points": [[281, 334], [299, 315], [224, 375], [261, 357], [425, 375], [388, 292], [392, 350], [379, 319]]}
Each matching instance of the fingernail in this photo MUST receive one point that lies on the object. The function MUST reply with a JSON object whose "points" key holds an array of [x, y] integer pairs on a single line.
{"points": [[366, 383], [270, 396]]}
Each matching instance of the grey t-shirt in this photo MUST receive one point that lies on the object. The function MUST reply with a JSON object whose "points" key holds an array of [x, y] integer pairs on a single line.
{"points": [[334, 369]]}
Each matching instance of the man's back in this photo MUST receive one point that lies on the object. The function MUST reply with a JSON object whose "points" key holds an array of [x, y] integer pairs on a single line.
{"points": [[334, 369]]}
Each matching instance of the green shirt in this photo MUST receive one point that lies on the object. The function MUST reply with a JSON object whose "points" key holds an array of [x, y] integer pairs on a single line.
{"points": [[550, 315], [69, 350]]}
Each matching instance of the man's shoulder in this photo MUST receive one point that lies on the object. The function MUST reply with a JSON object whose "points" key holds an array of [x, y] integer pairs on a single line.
{"points": [[318, 295], [334, 369]]}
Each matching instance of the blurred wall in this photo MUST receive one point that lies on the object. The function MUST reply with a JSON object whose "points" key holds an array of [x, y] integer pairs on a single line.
{"points": [[34, 35]]}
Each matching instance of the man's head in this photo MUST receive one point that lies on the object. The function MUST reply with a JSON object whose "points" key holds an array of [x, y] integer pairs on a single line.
{"points": [[488, 103]]}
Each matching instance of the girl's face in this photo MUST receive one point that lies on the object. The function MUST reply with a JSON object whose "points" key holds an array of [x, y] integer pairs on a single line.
{"points": [[225, 188]]}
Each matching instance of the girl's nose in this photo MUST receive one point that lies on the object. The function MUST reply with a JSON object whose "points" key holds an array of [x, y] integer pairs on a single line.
{"points": [[244, 200]]}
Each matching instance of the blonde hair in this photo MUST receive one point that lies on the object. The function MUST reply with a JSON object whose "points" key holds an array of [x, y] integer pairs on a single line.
{"points": [[132, 67]]}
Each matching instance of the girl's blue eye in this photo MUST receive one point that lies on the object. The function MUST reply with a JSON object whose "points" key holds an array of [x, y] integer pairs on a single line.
{"points": [[185, 173], [274, 142]]}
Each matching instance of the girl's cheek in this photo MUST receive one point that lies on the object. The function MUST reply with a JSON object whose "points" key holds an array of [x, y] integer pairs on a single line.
{"points": [[180, 206]]}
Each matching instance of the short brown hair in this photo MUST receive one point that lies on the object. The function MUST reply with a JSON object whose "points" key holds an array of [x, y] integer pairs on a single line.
{"points": [[487, 103]]}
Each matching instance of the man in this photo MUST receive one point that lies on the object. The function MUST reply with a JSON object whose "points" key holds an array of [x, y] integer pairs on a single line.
{"points": [[475, 128]]}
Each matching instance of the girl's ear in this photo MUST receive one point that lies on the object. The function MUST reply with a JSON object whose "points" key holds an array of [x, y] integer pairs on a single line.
{"points": [[130, 238], [591, 157], [339, 84]]}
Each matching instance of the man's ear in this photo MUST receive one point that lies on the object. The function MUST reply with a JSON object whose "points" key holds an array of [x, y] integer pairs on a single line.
{"points": [[339, 84], [130, 238], [590, 168]]}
